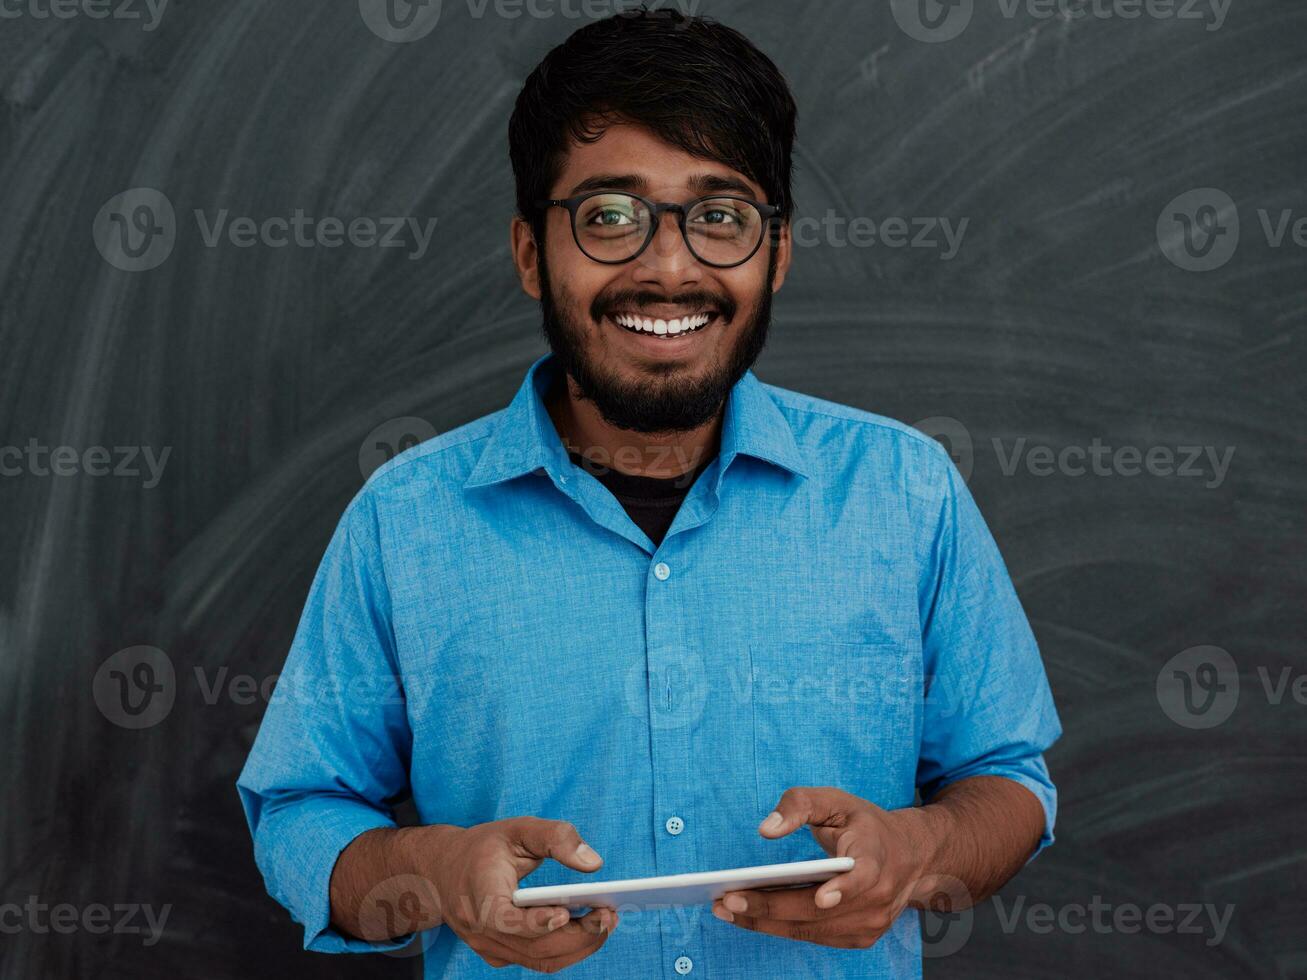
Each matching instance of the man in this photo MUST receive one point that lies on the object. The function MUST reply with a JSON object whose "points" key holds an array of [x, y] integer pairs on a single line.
{"points": [[655, 609]]}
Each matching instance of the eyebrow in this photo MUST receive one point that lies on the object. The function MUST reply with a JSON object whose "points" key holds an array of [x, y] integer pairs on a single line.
{"points": [[636, 184]]}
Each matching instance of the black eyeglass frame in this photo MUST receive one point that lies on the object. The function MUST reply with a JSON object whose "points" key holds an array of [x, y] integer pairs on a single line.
{"points": [[767, 211]]}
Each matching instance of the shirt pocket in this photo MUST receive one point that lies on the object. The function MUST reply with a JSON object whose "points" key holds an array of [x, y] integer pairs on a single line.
{"points": [[835, 713]]}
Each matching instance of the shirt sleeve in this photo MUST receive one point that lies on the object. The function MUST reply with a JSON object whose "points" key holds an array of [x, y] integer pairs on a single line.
{"points": [[335, 744], [988, 708]]}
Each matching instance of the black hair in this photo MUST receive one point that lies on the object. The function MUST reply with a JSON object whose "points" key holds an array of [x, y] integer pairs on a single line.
{"points": [[693, 82]]}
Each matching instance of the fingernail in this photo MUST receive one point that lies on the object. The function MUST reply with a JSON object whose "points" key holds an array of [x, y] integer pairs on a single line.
{"points": [[773, 821], [722, 914], [830, 900], [557, 919], [587, 854], [735, 903]]}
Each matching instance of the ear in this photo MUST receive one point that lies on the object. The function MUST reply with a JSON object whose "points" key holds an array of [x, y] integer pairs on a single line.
{"points": [[525, 256], [784, 252]]}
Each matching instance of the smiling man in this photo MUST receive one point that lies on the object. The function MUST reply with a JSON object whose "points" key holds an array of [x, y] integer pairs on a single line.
{"points": [[655, 609]]}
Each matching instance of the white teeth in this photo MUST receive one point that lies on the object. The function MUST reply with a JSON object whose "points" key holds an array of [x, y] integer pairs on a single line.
{"points": [[663, 328]]}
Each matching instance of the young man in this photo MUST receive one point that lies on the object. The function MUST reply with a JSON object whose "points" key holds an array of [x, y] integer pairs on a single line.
{"points": [[654, 599]]}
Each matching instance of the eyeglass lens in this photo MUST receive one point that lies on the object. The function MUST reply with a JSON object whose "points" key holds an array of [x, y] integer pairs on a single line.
{"points": [[613, 227]]}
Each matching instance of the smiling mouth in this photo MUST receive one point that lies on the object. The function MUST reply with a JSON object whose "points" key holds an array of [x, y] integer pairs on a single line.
{"points": [[663, 326]]}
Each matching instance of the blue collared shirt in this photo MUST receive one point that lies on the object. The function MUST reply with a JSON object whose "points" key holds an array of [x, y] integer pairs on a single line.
{"points": [[490, 632]]}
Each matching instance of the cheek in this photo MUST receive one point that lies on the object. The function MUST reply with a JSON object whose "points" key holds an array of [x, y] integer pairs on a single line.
{"points": [[745, 285], [575, 287]]}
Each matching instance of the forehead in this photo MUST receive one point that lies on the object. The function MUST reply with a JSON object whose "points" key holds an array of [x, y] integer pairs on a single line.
{"points": [[631, 157]]}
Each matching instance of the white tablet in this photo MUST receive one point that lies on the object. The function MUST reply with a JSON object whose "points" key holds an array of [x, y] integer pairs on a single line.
{"points": [[696, 888]]}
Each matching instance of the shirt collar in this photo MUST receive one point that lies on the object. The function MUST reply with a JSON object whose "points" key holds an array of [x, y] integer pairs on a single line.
{"points": [[525, 439]]}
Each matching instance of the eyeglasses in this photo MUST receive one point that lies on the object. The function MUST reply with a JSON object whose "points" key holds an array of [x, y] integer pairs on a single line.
{"points": [[613, 227]]}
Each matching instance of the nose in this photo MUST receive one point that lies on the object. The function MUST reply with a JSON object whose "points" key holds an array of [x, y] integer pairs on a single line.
{"points": [[667, 261]]}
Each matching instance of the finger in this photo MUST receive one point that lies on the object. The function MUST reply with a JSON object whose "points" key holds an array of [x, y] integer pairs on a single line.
{"points": [[821, 806], [507, 919], [796, 904], [503, 954], [860, 880], [577, 938], [536, 837], [847, 931], [593, 922], [599, 920]]}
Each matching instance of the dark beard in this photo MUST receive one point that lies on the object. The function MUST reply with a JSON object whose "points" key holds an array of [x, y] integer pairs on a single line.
{"points": [[658, 405]]}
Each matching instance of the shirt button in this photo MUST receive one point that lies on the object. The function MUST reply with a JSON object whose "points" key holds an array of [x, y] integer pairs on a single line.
{"points": [[683, 965], [661, 571], [674, 825]]}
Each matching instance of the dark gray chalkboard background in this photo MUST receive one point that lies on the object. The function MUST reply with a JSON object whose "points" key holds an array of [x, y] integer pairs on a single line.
{"points": [[1060, 320]]}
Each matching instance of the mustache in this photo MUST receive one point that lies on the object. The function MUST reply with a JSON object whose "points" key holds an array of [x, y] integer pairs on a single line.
{"points": [[636, 298]]}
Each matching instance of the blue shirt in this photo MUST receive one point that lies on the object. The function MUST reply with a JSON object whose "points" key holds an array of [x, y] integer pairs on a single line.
{"points": [[490, 632]]}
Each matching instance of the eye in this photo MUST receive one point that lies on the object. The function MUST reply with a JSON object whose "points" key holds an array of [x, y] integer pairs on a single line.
{"points": [[611, 217], [718, 215], [611, 211]]}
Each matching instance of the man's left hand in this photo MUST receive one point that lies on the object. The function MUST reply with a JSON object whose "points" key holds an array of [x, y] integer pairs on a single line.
{"points": [[891, 849]]}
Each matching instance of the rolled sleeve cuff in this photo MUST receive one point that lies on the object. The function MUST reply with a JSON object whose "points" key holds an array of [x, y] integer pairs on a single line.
{"points": [[310, 838]]}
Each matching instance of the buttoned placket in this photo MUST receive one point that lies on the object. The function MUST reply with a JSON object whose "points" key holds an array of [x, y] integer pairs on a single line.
{"points": [[677, 689]]}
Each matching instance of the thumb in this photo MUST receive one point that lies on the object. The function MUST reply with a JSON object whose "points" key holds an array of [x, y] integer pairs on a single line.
{"points": [[556, 839], [820, 806]]}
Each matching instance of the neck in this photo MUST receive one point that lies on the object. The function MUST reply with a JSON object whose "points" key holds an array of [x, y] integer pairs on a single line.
{"points": [[656, 454]]}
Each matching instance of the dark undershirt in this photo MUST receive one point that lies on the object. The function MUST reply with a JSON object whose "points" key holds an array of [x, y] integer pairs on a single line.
{"points": [[652, 502]]}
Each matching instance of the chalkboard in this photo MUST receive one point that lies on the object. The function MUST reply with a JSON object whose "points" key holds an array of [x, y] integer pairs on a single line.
{"points": [[1064, 237]]}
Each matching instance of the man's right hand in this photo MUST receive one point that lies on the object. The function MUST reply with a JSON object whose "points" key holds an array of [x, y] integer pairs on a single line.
{"points": [[464, 878]]}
